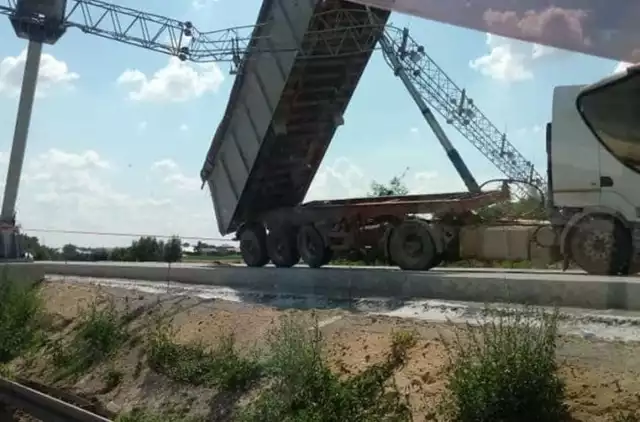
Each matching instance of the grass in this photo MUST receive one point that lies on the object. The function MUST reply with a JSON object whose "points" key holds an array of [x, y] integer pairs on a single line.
{"points": [[304, 389], [629, 416], [501, 370], [195, 364], [20, 318], [505, 370], [140, 415], [99, 335]]}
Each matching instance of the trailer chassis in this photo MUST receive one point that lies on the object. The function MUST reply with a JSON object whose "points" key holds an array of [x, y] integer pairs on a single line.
{"points": [[414, 232]]}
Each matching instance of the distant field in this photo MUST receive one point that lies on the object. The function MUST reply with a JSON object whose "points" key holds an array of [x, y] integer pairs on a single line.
{"points": [[210, 258]]}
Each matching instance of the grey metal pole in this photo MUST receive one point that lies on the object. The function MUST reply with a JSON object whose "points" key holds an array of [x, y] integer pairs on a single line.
{"points": [[23, 120]]}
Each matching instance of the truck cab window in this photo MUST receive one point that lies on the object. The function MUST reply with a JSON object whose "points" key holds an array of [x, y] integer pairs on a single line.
{"points": [[612, 110]]}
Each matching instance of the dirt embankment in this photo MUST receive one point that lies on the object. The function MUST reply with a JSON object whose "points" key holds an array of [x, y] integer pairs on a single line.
{"points": [[602, 377]]}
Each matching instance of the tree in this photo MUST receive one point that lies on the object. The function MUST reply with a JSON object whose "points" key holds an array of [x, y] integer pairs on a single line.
{"points": [[396, 187], [145, 249], [70, 252], [173, 250], [31, 244], [172, 253], [121, 254], [99, 254]]}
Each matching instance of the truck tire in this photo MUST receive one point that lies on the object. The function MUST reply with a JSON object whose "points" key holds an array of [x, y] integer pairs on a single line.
{"points": [[313, 249], [411, 246], [601, 245], [282, 248], [253, 246]]}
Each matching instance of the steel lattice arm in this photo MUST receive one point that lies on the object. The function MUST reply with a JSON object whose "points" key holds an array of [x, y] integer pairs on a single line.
{"points": [[183, 40], [153, 32], [450, 101]]}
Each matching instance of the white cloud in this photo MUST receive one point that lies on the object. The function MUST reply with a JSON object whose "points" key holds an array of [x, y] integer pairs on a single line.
{"points": [[510, 60], [176, 82], [83, 191], [344, 179], [201, 4], [166, 164], [52, 73], [621, 66], [173, 175], [526, 131]]}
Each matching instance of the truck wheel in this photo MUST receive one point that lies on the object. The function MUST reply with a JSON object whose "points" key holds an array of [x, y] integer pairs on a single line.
{"points": [[253, 246], [411, 246], [601, 246], [313, 249], [282, 248]]}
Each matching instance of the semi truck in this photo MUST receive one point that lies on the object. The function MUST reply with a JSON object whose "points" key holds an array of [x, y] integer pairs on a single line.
{"points": [[282, 114]]}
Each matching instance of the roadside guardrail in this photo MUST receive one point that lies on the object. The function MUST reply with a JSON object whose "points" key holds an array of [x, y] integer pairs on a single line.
{"points": [[40, 405]]}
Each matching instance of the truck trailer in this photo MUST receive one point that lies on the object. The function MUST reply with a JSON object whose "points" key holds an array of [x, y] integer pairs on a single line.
{"points": [[285, 108]]}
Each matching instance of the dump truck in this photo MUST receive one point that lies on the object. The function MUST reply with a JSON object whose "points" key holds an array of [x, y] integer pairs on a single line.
{"points": [[282, 114]]}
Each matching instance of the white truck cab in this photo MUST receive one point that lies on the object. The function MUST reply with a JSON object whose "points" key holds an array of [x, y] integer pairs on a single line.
{"points": [[593, 151]]}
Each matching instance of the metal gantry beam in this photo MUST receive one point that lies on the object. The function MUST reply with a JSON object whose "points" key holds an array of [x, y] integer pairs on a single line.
{"points": [[183, 40]]}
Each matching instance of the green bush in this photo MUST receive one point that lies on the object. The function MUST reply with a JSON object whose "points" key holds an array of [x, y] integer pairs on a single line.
{"points": [[303, 389], [505, 370], [20, 318], [196, 365], [100, 333]]}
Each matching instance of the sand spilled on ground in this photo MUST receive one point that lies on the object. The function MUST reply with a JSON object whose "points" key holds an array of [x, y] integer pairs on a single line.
{"points": [[602, 376]]}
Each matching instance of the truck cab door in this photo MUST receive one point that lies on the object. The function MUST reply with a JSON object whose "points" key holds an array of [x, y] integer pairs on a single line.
{"points": [[573, 153]]}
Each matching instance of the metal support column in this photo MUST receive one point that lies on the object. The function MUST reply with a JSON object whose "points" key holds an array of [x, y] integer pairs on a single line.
{"points": [[23, 120], [8, 232], [455, 158]]}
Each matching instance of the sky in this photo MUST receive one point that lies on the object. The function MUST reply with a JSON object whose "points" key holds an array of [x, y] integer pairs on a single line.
{"points": [[119, 133]]}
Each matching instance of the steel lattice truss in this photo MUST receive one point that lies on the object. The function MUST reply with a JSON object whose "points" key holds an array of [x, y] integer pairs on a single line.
{"points": [[235, 45], [460, 111], [182, 39]]}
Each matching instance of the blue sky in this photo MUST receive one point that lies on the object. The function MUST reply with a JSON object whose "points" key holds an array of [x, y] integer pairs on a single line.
{"points": [[119, 134]]}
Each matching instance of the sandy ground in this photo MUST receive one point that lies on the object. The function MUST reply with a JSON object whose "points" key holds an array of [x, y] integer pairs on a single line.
{"points": [[602, 377]]}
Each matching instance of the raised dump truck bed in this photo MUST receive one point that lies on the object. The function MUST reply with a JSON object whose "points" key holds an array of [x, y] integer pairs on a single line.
{"points": [[285, 107]]}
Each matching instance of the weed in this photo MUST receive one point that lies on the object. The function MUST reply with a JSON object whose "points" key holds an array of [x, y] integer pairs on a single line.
{"points": [[196, 365], [629, 416], [304, 389], [505, 370], [20, 316], [6, 371], [139, 415], [98, 336], [112, 378]]}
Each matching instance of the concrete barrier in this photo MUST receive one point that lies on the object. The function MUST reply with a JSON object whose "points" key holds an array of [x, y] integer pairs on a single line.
{"points": [[23, 272], [535, 288]]}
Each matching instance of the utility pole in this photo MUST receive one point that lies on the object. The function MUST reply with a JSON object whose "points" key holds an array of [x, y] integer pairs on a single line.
{"points": [[40, 23]]}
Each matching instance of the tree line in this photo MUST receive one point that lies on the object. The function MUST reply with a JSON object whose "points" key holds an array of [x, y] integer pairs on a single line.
{"points": [[144, 249]]}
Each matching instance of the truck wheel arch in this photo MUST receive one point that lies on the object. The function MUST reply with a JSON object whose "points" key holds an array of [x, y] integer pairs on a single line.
{"points": [[589, 212]]}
